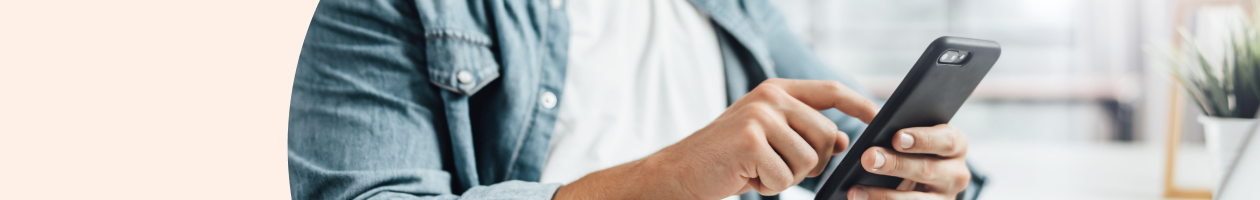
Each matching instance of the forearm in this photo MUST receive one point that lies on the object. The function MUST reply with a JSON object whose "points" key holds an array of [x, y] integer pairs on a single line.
{"points": [[646, 178]]}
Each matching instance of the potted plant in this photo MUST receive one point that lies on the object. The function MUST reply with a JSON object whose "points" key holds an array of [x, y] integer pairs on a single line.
{"points": [[1225, 89]]}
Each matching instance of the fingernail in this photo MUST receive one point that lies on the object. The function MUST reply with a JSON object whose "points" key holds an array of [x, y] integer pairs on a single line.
{"points": [[859, 194], [879, 160], [906, 141]]}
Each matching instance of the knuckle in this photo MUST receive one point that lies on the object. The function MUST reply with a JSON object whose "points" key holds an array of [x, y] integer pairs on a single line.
{"points": [[947, 146], [762, 109], [810, 162], [768, 92], [834, 86], [954, 143], [961, 180], [751, 137], [956, 149], [831, 132], [762, 112], [774, 81], [928, 170], [759, 92], [960, 143], [750, 129], [768, 84], [824, 145]]}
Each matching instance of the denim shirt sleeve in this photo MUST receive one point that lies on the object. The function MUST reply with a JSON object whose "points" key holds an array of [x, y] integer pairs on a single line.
{"points": [[364, 120]]}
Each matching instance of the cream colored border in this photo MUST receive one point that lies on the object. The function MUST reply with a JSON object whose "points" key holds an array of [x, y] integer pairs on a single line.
{"points": [[147, 99]]}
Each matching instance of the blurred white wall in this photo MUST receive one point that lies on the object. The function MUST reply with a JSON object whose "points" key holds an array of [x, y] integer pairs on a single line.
{"points": [[1070, 70], [1078, 107]]}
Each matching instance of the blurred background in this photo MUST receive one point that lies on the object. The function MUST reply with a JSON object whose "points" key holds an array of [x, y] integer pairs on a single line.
{"points": [[1080, 105]]}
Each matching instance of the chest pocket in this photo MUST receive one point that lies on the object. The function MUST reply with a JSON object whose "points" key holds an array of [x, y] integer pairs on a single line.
{"points": [[460, 61]]}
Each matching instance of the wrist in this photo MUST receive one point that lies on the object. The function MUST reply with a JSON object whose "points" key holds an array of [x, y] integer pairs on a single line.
{"points": [[664, 175]]}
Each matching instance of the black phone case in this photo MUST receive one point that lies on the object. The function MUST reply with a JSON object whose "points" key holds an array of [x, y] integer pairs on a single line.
{"points": [[929, 95]]}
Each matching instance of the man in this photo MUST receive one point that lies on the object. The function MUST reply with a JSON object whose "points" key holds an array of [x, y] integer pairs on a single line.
{"points": [[599, 99]]}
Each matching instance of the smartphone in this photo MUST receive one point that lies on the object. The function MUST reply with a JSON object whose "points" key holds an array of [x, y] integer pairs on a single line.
{"points": [[937, 85]]}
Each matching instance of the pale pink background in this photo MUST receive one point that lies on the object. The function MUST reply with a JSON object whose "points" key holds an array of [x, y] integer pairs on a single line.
{"points": [[134, 99]]}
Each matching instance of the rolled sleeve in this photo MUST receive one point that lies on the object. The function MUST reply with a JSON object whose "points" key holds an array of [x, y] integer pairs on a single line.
{"points": [[364, 121]]}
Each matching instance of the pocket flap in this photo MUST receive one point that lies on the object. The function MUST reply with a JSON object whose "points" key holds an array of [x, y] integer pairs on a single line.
{"points": [[461, 63]]}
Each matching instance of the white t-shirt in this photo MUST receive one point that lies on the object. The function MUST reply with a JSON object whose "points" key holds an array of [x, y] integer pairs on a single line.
{"points": [[642, 75]]}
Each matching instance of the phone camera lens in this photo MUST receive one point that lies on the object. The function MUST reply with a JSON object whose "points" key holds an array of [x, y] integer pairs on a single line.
{"points": [[953, 56]]}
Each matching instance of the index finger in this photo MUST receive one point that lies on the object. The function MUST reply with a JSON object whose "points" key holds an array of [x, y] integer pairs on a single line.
{"points": [[822, 95]]}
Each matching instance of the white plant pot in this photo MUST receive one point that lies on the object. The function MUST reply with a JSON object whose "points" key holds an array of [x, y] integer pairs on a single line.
{"points": [[1223, 136]]}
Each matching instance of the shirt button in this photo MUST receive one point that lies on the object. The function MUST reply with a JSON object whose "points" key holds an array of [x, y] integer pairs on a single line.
{"points": [[548, 100], [557, 3], [464, 77]]}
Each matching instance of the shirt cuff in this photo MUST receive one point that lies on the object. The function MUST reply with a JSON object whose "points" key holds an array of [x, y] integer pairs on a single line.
{"points": [[513, 190]]}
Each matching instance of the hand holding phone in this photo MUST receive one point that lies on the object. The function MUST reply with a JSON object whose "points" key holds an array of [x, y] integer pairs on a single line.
{"points": [[934, 89]]}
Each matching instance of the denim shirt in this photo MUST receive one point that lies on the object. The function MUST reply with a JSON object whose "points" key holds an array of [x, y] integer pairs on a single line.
{"points": [[443, 99]]}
